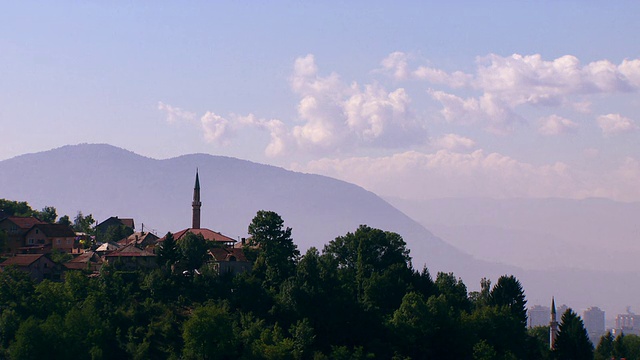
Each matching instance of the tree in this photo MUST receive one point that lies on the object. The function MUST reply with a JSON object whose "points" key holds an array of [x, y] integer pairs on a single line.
{"points": [[193, 250], [115, 233], [64, 220], [278, 252], [208, 334], [572, 341], [169, 252], [15, 208], [83, 223], [604, 350], [47, 214], [508, 292]]}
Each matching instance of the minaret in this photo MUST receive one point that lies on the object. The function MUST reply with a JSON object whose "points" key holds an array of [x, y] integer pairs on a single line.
{"points": [[553, 326], [196, 204]]}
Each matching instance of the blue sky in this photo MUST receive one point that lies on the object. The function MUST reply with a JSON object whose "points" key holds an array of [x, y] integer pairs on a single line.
{"points": [[408, 99]]}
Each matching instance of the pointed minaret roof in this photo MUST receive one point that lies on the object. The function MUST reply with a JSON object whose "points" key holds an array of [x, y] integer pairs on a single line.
{"points": [[553, 305], [196, 204], [197, 187]]}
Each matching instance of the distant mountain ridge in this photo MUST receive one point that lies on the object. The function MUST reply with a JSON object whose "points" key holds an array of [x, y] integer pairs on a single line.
{"points": [[106, 181]]}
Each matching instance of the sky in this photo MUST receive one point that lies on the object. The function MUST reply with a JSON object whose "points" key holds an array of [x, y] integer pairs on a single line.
{"points": [[409, 99]]}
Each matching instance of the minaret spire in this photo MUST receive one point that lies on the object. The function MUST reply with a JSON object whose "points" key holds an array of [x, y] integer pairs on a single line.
{"points": [[196, 204], [553, 325]]}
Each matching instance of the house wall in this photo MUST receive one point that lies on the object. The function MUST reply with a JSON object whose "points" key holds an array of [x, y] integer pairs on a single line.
{"points": [[15, 236]]}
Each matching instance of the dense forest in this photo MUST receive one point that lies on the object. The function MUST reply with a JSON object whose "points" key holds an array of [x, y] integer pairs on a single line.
{"points": [[358, 298]]}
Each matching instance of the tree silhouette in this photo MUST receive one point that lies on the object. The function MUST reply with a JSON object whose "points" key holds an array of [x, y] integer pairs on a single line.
{"points": [[572, 342]]}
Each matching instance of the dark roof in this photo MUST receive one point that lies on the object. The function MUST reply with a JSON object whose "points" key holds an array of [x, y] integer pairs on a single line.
{"points": [[22, 260], [80, 262], [227, 254], [130, 251], [139, 238], [88, 256], [55, 230], [128, 222], [206, 233], [24, 222]]}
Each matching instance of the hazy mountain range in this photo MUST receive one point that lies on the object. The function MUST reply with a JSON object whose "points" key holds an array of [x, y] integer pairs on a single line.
{"points": [[593, 234], [106, 181]]}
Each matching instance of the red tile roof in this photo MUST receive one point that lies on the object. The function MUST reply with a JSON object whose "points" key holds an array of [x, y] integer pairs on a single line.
{"points": [[80, 262], [206, 233], [22, 259], [56, 230], [227, 254], [130, 251], [24, 223]]}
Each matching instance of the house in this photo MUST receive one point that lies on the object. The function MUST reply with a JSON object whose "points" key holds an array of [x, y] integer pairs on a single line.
{"points": [[207, 234], [104, 226], [142, 240], [89, 260], [107, 248], [195, 228], [130, 257], [39, 266], [229, 260], [16, 227], [44, 238]]}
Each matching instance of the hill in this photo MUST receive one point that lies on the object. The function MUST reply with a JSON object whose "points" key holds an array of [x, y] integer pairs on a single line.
{"points": [[106, 181]]}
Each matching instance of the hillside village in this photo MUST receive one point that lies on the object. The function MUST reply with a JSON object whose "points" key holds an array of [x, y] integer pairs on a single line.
{"points": [[46, 250], [391, 303]]}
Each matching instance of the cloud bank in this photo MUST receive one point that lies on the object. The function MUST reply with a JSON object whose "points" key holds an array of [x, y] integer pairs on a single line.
{"points": [[423, 154]]}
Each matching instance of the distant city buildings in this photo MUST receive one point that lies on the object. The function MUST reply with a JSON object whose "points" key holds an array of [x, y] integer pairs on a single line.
{"points": [[628, 323], [538, 315], [593, 319]]}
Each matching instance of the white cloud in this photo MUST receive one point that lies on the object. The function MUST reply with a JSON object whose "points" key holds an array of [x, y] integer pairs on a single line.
{"points": [[280, 139], [454, 142], [175, 114], [396, 64], [556, 125], [508, 83], [614, 124], [338, 116], [214, 127], [478, 174]]}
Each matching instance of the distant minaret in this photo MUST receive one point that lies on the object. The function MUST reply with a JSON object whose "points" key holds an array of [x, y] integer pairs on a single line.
{"points": [[196, 204], [553, 326]]}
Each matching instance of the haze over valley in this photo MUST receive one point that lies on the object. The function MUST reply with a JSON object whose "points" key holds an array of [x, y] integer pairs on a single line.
{"points": [[494, 137]]}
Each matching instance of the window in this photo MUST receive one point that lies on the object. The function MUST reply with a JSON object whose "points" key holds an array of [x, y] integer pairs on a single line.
{"points": [[58, 241], [31, 241]]}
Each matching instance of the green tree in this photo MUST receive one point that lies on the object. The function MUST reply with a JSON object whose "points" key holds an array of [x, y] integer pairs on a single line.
{"points": [[115, 233], [83, 223], [619, 347], [29, 342], [15, 208], [208, 334], [572, 342], [604, 350], [278, 253], [454, 291], [193, 250], [508, 292], [47, 214], [64, 220], [168, 252]]}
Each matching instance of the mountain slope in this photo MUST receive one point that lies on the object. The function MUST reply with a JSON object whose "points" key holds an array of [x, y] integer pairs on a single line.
{"points": [[107, 181]]}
